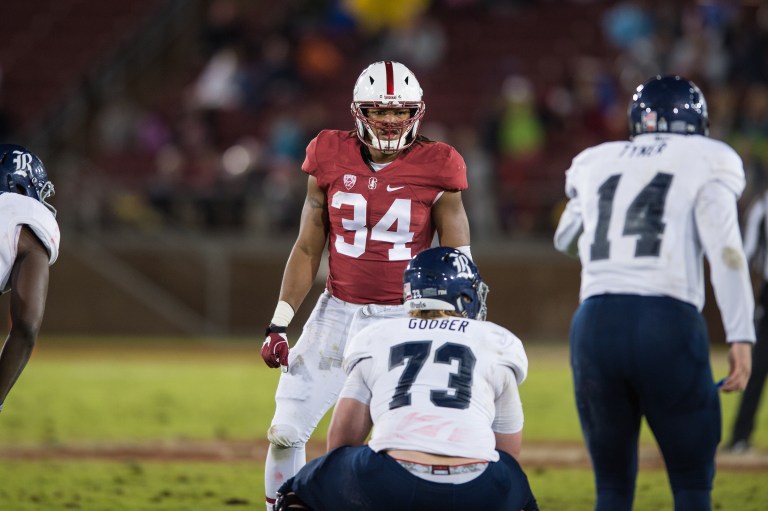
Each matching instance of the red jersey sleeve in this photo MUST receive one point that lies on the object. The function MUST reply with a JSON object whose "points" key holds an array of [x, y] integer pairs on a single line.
{"points": [[310, 160], [442, 163], [454, 171], [328, 154]]}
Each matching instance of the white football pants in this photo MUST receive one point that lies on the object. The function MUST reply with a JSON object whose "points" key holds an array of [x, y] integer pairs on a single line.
{"points": [[313, 381]]}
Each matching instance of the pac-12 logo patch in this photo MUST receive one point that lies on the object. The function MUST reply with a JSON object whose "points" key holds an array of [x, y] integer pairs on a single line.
{"points": [[349, 181]]}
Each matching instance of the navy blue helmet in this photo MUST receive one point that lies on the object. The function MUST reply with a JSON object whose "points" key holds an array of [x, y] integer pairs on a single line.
{"points": [[668, 104], [443, 278], [22, 172]]}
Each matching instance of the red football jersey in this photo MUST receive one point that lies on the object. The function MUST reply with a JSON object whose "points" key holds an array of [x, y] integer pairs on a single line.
{"points": [[378, 220]]}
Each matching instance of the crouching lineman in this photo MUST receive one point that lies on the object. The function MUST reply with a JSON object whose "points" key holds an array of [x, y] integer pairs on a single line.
{"points": [[30, 244], [440, 390]]}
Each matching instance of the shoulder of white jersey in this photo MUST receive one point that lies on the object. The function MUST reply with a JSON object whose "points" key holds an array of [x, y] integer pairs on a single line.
{"points": [[23, 210], [584, 161], [725, 164], [589, 154], [508, 348], [362, 344]]}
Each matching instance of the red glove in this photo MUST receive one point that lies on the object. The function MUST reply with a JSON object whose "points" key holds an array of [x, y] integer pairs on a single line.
{"points": [[274, 351]]}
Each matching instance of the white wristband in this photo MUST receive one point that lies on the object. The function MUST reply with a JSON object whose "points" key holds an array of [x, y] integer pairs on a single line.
{"points": [[283, 314], [464, 249]]}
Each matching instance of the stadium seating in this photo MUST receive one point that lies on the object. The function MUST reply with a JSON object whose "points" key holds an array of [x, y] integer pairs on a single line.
{"points": [[49, 45]]}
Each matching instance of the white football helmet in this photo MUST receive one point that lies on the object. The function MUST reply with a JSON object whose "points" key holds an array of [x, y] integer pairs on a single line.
{"points": [[387, 85]]}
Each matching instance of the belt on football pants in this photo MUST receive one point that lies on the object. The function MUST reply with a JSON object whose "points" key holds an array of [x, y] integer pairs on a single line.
{"points": [[442, 470]]}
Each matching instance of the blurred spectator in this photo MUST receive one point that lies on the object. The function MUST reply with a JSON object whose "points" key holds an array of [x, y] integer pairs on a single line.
{"points": [[699, 51], [480, 197], [318, 57], [116, 125], [274, 76], [282, 194], [223, 27], [521, 142], [627, 23], [189, 174], [223, 82], [286, 137], [747, 42], [521, 134], [420, 41], [595, 98], [152, 132], [374, 16]]}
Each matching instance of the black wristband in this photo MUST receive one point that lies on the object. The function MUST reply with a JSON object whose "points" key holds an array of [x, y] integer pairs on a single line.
{"points": [[274, 329]]}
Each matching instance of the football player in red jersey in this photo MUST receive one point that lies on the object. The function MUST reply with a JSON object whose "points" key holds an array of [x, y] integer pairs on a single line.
{"points": [[377, 195]]}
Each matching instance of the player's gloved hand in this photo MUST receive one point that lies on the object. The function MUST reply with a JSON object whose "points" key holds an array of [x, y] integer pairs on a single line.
{"points": [[289, 501], [274, 351]]}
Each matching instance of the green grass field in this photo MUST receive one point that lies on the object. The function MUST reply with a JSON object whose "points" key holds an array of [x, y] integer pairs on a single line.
{"points": [[134, 424]]}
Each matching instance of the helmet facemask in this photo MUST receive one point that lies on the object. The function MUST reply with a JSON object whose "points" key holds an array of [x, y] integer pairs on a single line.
{"points": [[403, 133], [45, 192], [480, 307]]}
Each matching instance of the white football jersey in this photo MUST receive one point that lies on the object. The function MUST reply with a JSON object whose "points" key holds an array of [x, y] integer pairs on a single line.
{"points": [[442, 386], [645, 211], [15, 211]]}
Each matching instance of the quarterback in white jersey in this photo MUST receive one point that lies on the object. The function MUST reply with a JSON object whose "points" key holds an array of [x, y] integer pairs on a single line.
{"points": [[440, 390], [642, 214], [649, 208], [29, 243]]}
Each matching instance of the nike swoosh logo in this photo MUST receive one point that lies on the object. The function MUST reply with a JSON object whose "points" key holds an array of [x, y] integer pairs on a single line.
{"points": [[394, 188]]}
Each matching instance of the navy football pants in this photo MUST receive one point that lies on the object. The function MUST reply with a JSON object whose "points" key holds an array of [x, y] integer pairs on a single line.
{"points": [[359, 479], [635, 356]]}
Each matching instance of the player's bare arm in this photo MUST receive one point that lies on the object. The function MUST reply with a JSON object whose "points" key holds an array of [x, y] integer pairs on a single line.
{"points": [[450, 220], [350, 424], [511, 443], [299, 274], [29, 284], [305, 257]]}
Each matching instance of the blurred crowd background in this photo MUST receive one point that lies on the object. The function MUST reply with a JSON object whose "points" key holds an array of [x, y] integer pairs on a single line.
{"points": [[192, 116]]}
